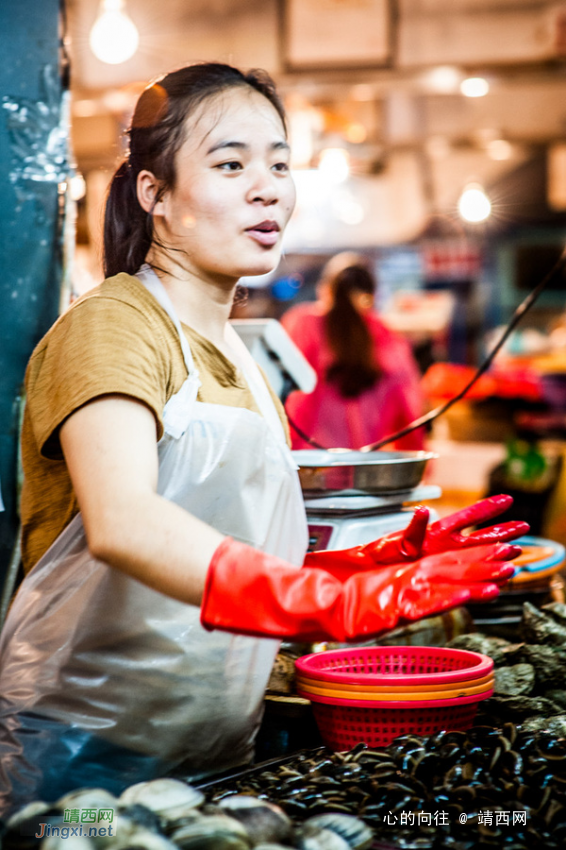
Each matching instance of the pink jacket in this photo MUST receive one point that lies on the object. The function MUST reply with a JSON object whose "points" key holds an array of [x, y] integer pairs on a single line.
{"points": [[338, 422]]}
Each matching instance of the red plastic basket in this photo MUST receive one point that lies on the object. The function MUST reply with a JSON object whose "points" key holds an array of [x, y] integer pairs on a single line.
{"points": [[343, 726], [395, 665]]}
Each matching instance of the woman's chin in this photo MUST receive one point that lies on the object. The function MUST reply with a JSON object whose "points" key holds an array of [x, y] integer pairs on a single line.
{"points": [[258, 269]]}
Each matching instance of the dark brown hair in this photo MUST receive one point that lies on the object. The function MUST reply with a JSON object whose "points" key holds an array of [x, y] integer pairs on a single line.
{"points": [[157, 131], [354, 367]]}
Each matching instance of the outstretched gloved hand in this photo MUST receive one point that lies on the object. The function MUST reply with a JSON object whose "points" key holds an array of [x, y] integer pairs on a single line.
{"points": [[419, 539], [252, 593]]}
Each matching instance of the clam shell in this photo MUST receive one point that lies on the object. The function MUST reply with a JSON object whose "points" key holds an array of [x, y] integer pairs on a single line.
{"points": [[212, 832], [88, 798], [312, 837], [169, 798], [29, 811], [142, 839], [264, 822], [353, 830], [73, 842]]}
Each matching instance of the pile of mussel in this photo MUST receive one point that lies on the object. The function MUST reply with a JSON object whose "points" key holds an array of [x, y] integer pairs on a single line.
{"points": [[487, 787]]}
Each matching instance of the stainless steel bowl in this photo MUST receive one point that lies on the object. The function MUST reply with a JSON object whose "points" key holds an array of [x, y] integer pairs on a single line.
{"points": [[360, 472]]}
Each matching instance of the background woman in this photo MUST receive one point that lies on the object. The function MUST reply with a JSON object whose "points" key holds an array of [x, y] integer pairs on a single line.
{"points": [[163, 522], [368, 381]]}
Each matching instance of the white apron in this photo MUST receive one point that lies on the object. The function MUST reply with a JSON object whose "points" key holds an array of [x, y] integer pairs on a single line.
{"points": [[123, 679]]}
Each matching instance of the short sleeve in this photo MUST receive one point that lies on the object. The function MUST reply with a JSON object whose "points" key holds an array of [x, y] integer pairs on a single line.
{"points": [[101, 346]]}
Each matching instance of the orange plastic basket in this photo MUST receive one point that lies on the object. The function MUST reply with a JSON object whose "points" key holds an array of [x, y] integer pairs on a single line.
{"points": [[305, 683], [312, 692]]}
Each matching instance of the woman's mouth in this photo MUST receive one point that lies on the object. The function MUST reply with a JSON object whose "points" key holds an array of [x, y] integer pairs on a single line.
{"points": [[265, 233]]}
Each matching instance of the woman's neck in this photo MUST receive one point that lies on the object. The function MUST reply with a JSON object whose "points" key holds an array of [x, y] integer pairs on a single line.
{"points": [[203, 305]]}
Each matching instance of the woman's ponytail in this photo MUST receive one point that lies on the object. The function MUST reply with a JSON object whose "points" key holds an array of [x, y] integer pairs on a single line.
{"points": [[354, 367], [127, 227]]}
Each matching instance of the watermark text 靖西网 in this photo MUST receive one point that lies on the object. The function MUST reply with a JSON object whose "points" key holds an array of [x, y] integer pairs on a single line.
{"points": [[87, 823]]}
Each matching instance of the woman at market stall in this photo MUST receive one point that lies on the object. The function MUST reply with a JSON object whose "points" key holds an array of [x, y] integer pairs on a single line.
{"points": [[368, 383], [163, 522]]}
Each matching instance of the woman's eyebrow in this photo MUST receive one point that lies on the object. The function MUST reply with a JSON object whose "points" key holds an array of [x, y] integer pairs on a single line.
{"points": [[282, 145]]}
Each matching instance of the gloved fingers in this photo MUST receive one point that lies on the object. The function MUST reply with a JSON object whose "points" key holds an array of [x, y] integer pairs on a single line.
{"points": [[483, 592], [403, 545], [424, 601], [480, 571], [502, 552], [496, 533], [478, 512], [457, 559], [414, 534]]}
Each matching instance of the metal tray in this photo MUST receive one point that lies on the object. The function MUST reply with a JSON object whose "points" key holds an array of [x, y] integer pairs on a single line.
{"points": [[360, 472]]}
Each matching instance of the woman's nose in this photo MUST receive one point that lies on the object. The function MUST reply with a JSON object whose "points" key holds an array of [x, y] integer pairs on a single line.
{"points": [[264, 188]]}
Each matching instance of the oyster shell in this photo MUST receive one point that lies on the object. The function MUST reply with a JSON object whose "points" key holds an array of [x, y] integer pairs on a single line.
{"points": [[557, 696], [555, 725], [517, 680], [519, 708], [542, 626], [497, 648], [549, 663]]}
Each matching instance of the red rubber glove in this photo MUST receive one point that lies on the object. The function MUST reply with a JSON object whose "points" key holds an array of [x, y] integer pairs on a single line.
{"points": [[417, 540], [445, 534], [251, 593]]}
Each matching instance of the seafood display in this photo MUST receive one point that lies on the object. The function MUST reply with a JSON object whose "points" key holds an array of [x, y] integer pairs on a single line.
{"points": [[530, 676], [169, 814], [501, 783], [482, 788]]}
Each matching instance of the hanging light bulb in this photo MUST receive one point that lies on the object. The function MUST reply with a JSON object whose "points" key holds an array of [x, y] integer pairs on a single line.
{"points": [[114, 37], [474, 205], [474, 87]]}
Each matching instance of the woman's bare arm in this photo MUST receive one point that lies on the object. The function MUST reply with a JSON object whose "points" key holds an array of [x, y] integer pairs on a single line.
{"points": [[110, 450]]}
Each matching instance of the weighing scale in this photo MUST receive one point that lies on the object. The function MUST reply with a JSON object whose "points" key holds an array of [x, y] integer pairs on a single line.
{"points": [[352, 498]]}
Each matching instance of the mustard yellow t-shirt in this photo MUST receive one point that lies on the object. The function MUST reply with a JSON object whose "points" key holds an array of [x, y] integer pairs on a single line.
{"points": [[115, 339]]}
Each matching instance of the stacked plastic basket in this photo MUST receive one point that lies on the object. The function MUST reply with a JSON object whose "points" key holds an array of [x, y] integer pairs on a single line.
{"points": [[373, 694]]}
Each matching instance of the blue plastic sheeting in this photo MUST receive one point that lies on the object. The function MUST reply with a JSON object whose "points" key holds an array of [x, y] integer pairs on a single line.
{"points": [[42, 759], [33, 157]]}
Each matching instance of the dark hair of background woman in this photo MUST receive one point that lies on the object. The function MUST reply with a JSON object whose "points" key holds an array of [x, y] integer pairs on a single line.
{"points": [[157, 131], [354, 368]]}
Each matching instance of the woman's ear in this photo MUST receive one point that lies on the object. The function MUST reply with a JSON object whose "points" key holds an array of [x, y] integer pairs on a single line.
{"points": [[147, 188]]}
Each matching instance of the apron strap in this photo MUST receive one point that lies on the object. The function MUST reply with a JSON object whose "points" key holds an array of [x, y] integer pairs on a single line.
{"points": [[154, 285], [256, 383]]}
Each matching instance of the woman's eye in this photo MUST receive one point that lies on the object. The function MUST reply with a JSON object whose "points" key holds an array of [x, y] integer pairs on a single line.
{"points": [[281, 166], [233, 165]]}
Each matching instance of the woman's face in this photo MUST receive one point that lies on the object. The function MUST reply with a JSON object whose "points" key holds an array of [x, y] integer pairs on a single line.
{"points": [[234, 193]]}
